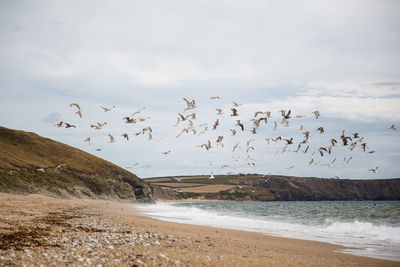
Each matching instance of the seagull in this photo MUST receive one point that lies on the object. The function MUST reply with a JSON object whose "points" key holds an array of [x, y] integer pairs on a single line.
{"points": [[291, 167], [330, 164], [392, 127], [79, 113], [211, 176], [76, 105], [185, 130], [249, 141], [248, 149], [316, 113], [233, 132], [236, 146], [346, 160], [374, 170], [98, 149], [258, 113], [137, 112], [129, 120], [165, 153], [133, 166], [320, 129], [321, 151], [87, 140], [67, 125], [59, 166], [107, 109], [183, 118], [60, 124], [238, 123], [236, 104], [216, 124], [234, 112], [275, 127], [289, 141], [112, 139], [190, 104], [285, 115], [215, 97], [219, 111], [147, 129], [125, 135]]}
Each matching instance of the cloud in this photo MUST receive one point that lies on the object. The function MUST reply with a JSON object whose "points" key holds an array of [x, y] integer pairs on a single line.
{"points": [[52, 118]]}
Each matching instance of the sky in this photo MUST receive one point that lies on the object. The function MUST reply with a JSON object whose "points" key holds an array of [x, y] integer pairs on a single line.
{"points": [[340, 58]]}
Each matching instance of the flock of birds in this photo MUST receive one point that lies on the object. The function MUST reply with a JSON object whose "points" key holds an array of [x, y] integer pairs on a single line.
{"points": [[187, 123]]}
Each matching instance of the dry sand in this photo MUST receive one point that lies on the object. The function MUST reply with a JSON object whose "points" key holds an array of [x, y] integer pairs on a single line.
{"points": [[41, 231]]}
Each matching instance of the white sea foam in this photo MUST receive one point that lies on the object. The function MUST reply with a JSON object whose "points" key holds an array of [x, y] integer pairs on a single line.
{"points": [[379, 241]]}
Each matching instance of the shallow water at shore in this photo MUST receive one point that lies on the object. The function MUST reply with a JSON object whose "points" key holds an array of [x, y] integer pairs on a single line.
{"points": [[373, 228]]}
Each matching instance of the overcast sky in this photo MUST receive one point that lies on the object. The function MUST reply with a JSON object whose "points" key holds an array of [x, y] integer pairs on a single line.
{"points": [[341, 58]]}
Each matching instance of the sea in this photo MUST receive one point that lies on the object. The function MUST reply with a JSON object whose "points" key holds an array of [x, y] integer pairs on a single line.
{"points": [[367, 228]]}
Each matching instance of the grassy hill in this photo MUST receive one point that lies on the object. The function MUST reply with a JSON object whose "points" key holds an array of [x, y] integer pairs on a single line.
{"points": [[274, 187], [28, 165]]}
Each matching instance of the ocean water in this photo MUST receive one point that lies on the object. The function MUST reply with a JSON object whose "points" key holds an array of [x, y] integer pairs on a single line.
{"points": [[372, 229]]}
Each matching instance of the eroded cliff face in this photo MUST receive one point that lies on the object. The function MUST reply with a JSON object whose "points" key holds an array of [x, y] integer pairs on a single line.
{"points": [[257, 187], [30, 163]]}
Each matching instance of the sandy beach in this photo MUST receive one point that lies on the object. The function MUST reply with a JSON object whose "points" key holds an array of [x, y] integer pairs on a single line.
{"points": [[36, 230]]}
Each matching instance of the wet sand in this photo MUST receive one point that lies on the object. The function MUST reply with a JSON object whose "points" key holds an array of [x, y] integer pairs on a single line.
{"points": [[37, 230]]}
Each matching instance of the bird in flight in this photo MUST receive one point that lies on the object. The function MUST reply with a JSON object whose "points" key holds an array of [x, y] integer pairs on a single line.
{"points": [[235, 146], [125, 135], [166, 152], [285, 115], [216, 124], [234, 112], [316, 113], [392, 127], [59, 166], [215, 97], [321, 130], [236, 104], [87, 140], [211, 176], [219, 111], [67, 125], [238, 123], [374, 170], [59, 125], [107, 109], [330, 164], [133, 166], [112, 139], [190, 104], [76, 105], [79, 113], [137, 112]]}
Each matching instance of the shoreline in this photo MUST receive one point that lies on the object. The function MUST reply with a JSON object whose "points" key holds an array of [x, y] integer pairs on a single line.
{"points": [[111, 233]]}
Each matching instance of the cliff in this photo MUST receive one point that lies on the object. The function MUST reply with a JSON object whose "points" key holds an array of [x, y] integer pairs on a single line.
{"points": [[275, 187], [28, 164]]}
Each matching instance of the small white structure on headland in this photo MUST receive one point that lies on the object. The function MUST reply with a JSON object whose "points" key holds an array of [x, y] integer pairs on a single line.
{"points": [[211, 176]]}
